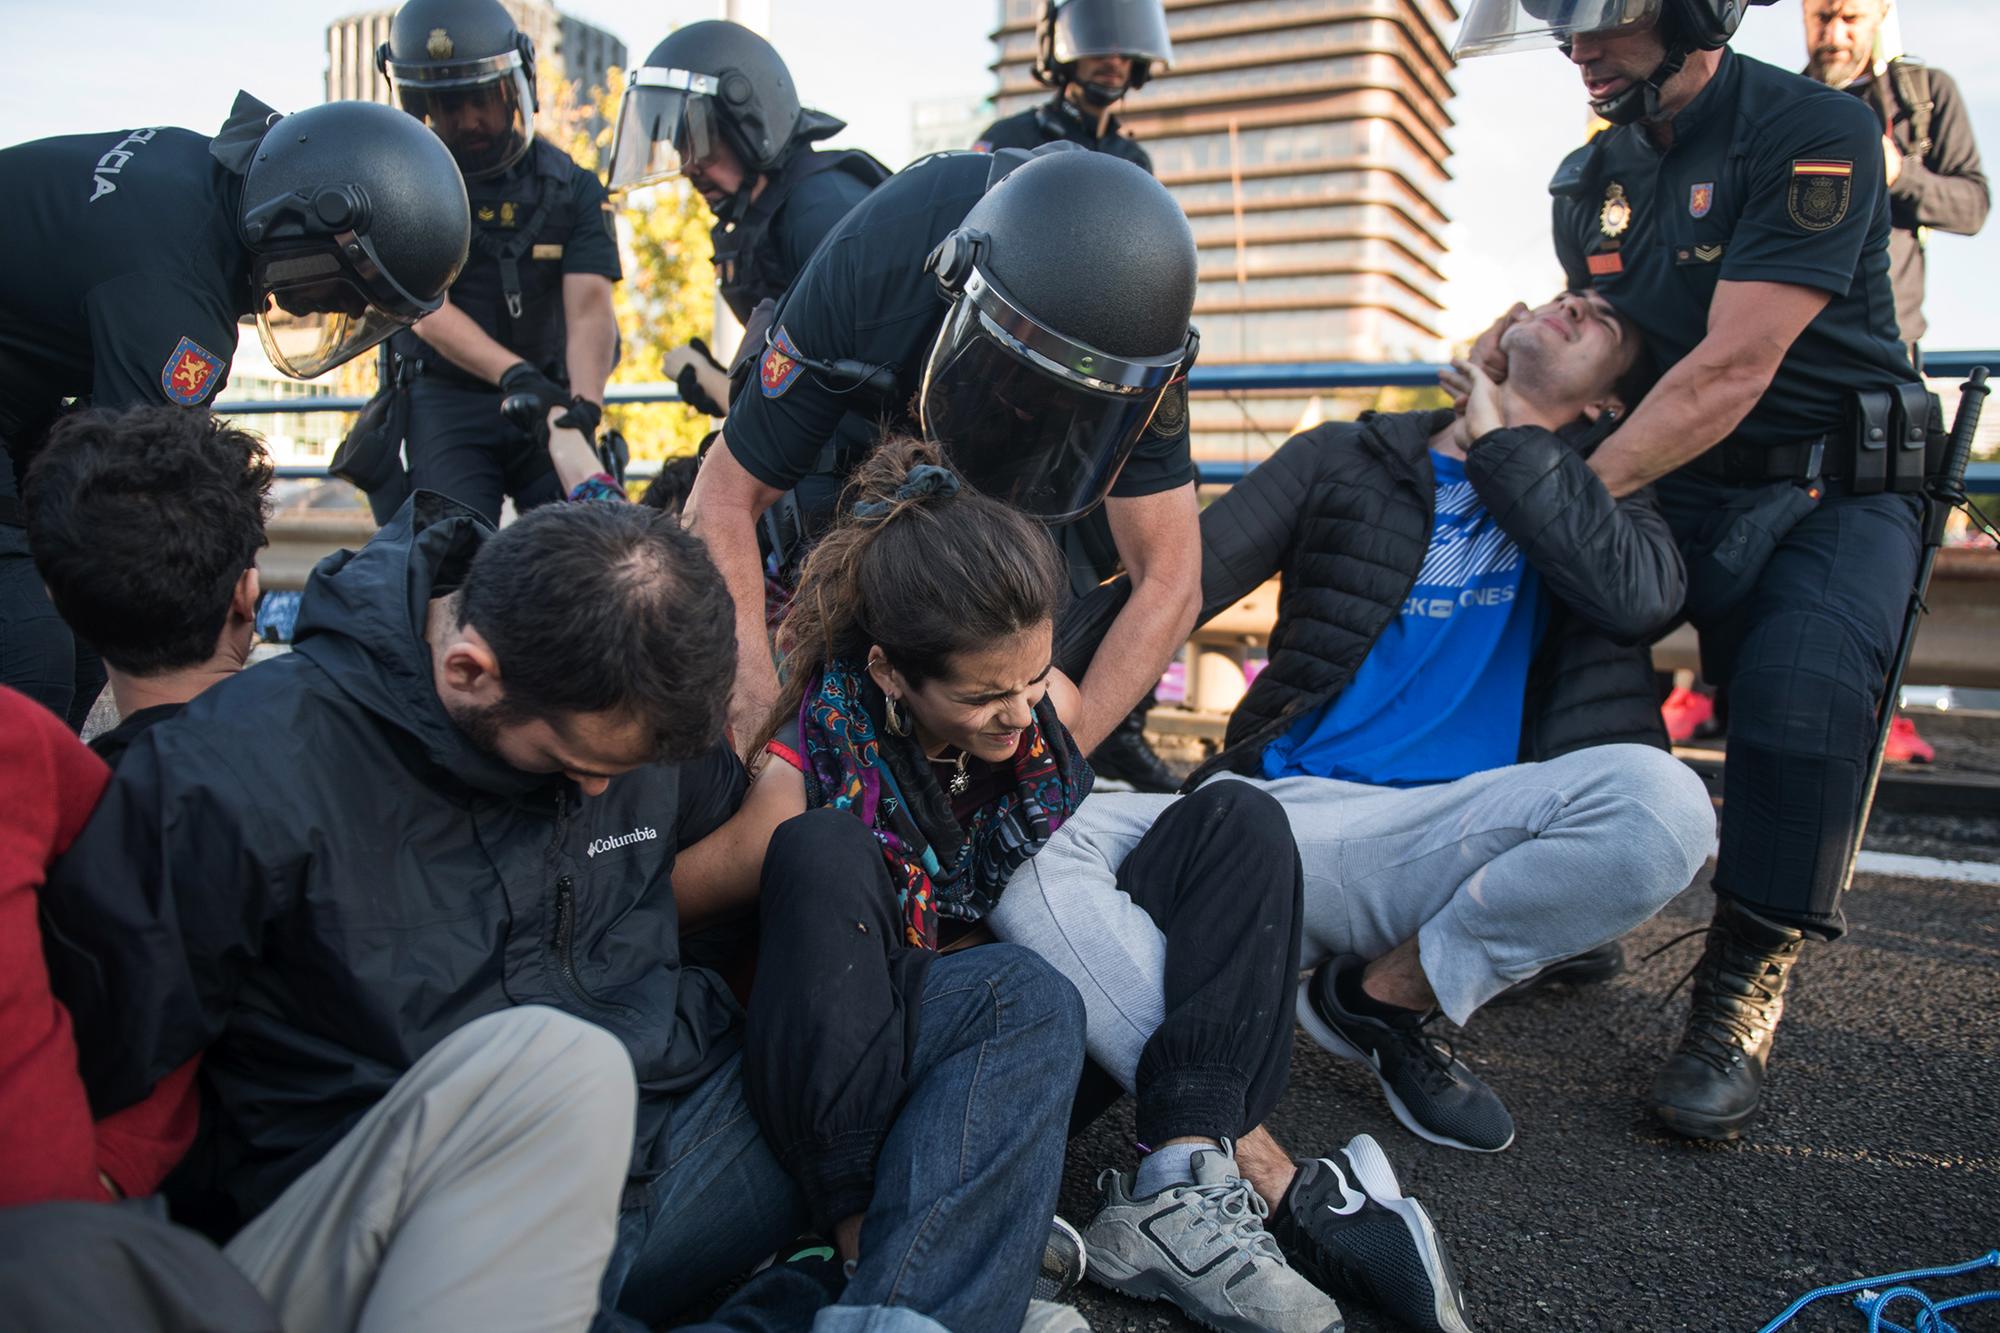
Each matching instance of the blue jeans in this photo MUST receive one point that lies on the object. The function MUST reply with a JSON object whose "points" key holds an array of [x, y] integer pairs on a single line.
{"points": [[964, 1188]]}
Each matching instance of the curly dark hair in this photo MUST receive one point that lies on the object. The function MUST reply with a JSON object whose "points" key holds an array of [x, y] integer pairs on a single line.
{"points": [[142, 523], [607, 608], [668, 492]]}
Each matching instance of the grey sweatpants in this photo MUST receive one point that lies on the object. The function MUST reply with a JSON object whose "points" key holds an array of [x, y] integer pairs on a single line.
{"points": [[481, 1194], [1495, 875]]}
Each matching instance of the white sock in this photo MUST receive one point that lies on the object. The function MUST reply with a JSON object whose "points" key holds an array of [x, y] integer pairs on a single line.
{"points": [[1163, 1168]]}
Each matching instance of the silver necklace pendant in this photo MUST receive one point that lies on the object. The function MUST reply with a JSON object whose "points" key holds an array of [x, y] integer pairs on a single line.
{"points": [[960, 780]]}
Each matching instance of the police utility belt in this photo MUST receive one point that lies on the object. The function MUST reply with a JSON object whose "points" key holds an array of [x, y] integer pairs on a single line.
{"points": [[1887, 440]]}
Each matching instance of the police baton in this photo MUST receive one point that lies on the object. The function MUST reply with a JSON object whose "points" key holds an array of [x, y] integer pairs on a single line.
{"points": [[1942, 493]]}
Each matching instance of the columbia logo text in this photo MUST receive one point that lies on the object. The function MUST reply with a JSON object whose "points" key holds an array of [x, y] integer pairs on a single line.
{"points": [[623, 840]]}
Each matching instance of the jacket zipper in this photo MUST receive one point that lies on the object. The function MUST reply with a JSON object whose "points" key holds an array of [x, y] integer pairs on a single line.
{"points": [[565, 939]]}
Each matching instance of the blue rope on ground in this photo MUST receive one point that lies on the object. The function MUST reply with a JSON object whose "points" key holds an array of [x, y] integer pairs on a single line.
{"points": [[1930, 1319], [1873, 1299]]}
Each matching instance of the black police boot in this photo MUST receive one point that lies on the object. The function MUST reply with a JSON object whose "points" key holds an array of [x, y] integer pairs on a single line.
{"points": [[1711, 1087], [1124, 755]]}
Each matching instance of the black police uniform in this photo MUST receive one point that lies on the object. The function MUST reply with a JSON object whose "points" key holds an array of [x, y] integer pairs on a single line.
{"points": [[1061, 119], [760, 254], [543, 218], [865, 297], [1771, 178], [124, 280]]}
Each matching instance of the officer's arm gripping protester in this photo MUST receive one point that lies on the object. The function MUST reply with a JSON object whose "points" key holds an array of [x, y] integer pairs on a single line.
{"points": [[976, 295], [1737, 214]]}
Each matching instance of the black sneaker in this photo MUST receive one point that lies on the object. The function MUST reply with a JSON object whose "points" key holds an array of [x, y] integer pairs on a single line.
{"points": [[1349, 1228], [1063, 1263], [1585, 969], [1429, 1088]]}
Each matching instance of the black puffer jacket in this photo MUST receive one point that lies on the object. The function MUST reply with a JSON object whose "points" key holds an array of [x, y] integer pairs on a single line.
{"points": [[1343, 514], [312, 875]]}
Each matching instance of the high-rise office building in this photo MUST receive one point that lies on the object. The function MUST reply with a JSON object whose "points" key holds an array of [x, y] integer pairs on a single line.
{"points": [[1305, 140], [573, 49]]}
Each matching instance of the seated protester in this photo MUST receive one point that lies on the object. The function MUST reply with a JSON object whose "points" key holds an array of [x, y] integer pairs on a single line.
{"points": [[1458, 716], [386, 1235], [145, 526], [464, 791], [921, 731]]}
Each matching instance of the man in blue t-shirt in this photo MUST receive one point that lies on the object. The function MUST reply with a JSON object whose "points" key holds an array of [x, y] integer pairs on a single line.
{"points": [[1458, 714]]}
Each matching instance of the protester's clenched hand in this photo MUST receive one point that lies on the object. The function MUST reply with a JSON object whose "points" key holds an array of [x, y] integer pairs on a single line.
{"points": [[1485, 354], [1482, 402]]}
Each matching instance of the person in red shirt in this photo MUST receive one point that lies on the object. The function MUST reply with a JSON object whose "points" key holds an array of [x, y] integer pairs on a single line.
{"points": [[50, 1148]]}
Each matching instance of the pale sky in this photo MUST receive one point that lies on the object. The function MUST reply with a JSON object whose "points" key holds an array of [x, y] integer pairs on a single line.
{"points": [[101, 64]]}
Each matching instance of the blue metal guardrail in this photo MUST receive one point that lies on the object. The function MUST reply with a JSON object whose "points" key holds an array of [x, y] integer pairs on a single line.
{"points": [[1299, 377]]}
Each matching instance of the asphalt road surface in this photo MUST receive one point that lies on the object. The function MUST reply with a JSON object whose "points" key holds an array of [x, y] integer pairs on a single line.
{"points": [[1878, 1149]]}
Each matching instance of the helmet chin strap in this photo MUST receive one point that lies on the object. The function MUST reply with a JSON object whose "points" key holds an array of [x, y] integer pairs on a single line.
{"points": [[737, 205], [1641, 100], [1100, 96]]}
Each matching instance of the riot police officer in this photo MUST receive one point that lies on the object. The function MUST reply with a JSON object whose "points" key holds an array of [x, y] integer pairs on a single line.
{"points": [[1737, 214], [715, 103], [1091, 52], [531, 314], [1047, 352], [129, 257]]}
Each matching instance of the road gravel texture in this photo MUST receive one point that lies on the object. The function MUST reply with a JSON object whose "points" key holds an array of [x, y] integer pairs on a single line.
{"points": [[1878, 1149]]}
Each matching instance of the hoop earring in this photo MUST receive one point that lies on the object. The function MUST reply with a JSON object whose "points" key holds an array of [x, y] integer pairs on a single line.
{"points": [[894, 719]]}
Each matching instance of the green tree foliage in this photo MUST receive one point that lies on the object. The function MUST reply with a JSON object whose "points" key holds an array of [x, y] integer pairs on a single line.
{"points": [[668, 295]]}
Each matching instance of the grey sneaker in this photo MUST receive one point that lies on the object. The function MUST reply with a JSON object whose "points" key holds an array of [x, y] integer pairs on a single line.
{"points": [[1203, 1246], [1048, 1317]]}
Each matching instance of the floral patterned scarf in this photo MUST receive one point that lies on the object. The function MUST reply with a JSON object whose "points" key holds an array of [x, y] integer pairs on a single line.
{"points": [[940, 866]]}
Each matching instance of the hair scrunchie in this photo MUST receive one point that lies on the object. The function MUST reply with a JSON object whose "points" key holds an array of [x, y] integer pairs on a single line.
{"points": [[924, 480]]}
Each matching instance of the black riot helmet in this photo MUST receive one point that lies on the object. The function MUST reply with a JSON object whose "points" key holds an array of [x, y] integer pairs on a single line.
{"points": [[1069, 30], [1071, 284], [465, 70], [1685, 26], [710, 83], [356, 222]]}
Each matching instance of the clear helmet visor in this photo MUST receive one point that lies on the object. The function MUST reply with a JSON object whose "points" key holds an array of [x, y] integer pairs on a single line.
{"points": [[1493, 26], [313, 313], [485, 117], [1023, 432], [662, 131], [1136, 28]]}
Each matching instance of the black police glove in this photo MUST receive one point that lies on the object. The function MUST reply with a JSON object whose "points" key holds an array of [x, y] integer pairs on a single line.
{"points": [[583, 415], [522, 378], [686, 365]]}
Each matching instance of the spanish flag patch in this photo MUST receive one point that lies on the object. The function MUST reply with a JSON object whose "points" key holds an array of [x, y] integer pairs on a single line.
{"points": [[1820, 191]]}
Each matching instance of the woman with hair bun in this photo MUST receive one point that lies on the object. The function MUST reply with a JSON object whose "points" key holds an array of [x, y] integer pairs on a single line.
{"points": [[917, 759]]}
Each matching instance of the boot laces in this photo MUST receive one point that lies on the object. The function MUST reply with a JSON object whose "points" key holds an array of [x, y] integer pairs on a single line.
{"points": [[1717, 1033]]}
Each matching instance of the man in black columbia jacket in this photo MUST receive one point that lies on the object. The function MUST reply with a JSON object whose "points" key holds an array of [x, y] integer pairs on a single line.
{"points": [[471, 786], [1458, 713]]}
